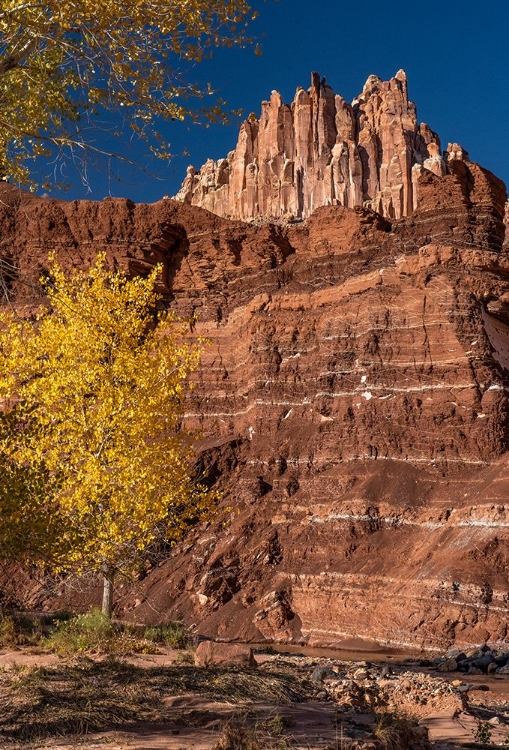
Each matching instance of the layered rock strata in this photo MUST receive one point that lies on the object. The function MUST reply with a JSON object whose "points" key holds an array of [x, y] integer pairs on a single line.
{"points": [[322, 151], [353, 405]]}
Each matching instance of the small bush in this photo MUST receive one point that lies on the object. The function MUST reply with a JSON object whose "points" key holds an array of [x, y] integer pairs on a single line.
{"points": [[8, 635], [95, 633], [237, 735], [92, 632], [89, 632], [61, 615], [173, 634], [395, 732], [483, 732], [19, 629], [269, 650], [277, 725], [184, 658]]}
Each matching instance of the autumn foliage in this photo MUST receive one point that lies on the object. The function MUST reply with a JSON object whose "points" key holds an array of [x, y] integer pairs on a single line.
{"points": [[93, 393], [64, 63]]}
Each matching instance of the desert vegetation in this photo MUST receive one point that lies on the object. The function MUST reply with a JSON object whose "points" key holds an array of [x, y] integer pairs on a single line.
{"points": [[96, 463], [65, 70], [93, 632], [85, 680]]}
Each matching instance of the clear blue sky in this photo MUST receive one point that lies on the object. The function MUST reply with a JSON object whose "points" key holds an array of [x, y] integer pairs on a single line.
{"points": [[454, 53]]}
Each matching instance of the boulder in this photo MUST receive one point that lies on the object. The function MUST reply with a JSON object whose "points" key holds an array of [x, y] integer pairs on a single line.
{"points": [[458, 655], [501, 659], [210, 653], [324, 673], [360, 674], [474, 670], [483, 662], [464, 688], [472, 653], [449, 665]]}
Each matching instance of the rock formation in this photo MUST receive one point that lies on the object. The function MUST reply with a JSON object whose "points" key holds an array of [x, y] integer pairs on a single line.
{"points": [[353, 404], [322, 151]]}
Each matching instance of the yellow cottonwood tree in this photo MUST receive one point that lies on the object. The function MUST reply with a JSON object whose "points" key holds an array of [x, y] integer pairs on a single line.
{"points": [[62, 62], [93, 391]]}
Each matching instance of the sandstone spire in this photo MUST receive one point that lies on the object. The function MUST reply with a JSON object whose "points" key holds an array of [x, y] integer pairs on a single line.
{"points": [[322, 151]]}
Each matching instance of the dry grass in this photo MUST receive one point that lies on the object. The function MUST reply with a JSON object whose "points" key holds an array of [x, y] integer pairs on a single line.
{"points": [[238, 734], [90, 696], [397, 732], [244, 732]]}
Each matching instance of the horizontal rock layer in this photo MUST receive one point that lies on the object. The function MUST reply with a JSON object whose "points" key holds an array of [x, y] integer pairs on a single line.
{"points": [[353, 405], [322, 151]]}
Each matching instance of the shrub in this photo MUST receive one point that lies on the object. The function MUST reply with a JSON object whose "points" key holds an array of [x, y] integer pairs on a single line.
{"points": [[89, 632], [92, 632], [8, 635], [483, 732], [236, 734], [277, 724], [19, 629], [95, 633], [173, 634], [396, 732]]}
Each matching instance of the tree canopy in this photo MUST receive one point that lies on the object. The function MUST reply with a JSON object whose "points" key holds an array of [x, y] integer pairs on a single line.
{"points": [[93, 393], [61, 63]]}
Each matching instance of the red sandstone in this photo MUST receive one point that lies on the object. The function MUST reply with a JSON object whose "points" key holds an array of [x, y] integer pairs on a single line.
{"points": [[322, 151], [353, 405]]}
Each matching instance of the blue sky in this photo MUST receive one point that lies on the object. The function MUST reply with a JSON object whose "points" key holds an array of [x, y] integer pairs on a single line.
{"points": [[454, 55]]}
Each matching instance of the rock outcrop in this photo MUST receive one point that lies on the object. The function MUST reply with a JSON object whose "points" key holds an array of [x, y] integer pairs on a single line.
{"points": [[322, 151], [353, 405]]}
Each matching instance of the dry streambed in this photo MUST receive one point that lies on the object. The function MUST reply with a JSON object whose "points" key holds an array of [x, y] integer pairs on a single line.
{"points": [[286, 702]]}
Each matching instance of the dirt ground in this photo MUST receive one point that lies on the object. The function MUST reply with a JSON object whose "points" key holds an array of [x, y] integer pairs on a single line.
{"points": [[160, 702]]}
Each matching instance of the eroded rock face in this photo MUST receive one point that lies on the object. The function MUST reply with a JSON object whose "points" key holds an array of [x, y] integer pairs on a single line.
{"points": [[322, 151], [353, 405]]}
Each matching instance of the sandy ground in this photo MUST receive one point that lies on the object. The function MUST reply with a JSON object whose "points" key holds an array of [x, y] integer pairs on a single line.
{"points": [[312, 725]]}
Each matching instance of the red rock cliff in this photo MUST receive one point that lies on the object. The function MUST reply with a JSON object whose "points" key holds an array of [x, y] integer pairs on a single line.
{"points": [[322, 151], [353, 404]]}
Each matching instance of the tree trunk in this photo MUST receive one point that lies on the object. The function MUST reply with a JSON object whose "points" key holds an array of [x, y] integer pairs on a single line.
{"points": [[108, 576]]}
